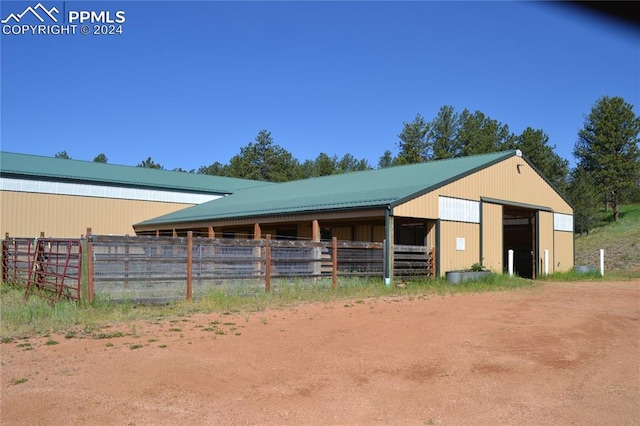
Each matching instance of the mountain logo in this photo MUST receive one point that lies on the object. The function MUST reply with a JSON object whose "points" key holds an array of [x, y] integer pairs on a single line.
{"points": [[38, 11]]}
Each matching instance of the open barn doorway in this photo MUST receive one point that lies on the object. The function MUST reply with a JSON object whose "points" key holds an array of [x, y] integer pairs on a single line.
{"points": [[519, 230]]}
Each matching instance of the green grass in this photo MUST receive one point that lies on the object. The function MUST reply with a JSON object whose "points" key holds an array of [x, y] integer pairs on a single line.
{"points": [[620, 241], [570, 276], [35, 317]]}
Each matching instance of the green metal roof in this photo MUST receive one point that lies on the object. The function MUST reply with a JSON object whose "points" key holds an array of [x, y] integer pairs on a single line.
{"points": [[366, 189], [36, 167]]}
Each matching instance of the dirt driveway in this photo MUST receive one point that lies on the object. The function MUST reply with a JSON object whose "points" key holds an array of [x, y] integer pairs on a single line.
{"points": [[560, 353]]}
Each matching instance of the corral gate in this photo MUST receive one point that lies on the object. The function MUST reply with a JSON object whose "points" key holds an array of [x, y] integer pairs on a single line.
{"points": [[48, 267]]}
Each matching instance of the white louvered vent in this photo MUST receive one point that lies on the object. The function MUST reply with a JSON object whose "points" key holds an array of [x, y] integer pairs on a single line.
{"points": [[459, 210], [562, 222]]}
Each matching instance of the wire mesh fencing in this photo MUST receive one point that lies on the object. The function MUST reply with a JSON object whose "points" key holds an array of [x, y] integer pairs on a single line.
{"points": [[158, 269], [150, 269]]}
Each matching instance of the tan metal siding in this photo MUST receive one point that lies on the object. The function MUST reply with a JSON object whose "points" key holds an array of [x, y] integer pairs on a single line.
{"points": [[343, 233], [563, 259], [492, 238], [431, 234], [304, 230], [363, 232], [25, 214], [378, 233], [452, 259], [501, 181], [545, 238]]}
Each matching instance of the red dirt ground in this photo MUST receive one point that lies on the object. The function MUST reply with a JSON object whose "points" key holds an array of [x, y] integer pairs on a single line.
{"points": [[556, 354]]}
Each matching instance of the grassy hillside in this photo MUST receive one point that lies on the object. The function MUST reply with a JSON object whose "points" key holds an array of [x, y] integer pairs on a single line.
{"points": [[620, 241]]}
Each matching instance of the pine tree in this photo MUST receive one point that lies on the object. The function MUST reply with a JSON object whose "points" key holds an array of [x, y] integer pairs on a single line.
{"points": [[607, 148]]}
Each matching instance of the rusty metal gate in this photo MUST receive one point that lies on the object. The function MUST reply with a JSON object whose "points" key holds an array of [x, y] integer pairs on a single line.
{"points": [[48, 267], [17, 255]]}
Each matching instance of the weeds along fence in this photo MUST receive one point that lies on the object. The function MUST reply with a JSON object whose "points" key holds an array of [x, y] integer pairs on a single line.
{"points": [[155, 269], [169, 268], [149, 269]]}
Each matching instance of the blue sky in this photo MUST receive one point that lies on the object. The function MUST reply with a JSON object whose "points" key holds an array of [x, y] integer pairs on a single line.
{"points": [[190, 83]]}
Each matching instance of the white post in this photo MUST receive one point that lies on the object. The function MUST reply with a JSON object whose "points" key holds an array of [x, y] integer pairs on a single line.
{"points": [[510, 263], [546, 262], [602, 262]]}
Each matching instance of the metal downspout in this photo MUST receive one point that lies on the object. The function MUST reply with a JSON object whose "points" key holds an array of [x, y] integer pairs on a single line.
{"points": [[387, 247]]}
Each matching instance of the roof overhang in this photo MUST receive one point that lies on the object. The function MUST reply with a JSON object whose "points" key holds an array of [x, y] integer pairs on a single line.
{"points": [[367, 213]]}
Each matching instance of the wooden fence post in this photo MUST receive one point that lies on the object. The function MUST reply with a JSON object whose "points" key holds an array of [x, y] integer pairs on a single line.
{"points": [[267, 265], [334, 258], [190, 266], [90, 290]]}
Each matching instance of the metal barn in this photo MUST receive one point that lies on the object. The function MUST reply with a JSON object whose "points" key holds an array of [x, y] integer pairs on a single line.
{"points": [[63, 197], [471, 210]]}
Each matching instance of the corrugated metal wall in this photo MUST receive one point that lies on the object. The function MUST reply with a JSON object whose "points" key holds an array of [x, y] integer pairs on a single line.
{"points": [[563, 256], [492, 240], [500, 181], [513, 181], [451, 257], [378, 233], [545, 240], [344, 233], [25, 214]]}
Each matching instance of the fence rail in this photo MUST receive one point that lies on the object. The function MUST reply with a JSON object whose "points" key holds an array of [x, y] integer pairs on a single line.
{"points": [[413, 261], [157, 269]]}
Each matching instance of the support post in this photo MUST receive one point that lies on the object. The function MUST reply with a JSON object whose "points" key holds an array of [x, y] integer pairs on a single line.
{"points": [[334, 262], [317, 251], [257, 251], [267, 264], [510, 263], [602, 262], [90, 289], [190, 266], [388, 247], [546, 262]]}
